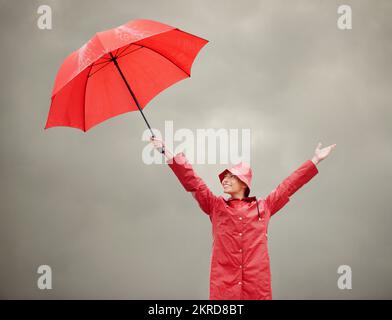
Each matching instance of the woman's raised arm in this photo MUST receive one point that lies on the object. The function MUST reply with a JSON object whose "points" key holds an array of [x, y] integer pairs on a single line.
{"points": [[188, 178]]}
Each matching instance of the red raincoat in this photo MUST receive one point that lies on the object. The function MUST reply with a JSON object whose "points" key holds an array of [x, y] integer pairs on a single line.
{"points": [[240, 266]]}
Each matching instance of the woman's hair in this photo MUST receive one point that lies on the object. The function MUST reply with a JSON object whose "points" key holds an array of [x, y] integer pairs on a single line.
{"points": [[247, 191]]}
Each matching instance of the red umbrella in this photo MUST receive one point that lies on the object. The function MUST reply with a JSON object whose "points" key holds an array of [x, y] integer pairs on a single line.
{"points": [[120, 70]]}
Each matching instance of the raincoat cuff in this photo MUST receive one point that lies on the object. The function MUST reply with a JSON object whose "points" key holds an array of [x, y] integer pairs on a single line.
{"points": [[312, 168], [179, 158]]}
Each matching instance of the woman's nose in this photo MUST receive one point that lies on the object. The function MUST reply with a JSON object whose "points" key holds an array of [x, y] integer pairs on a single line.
{"points": [[226, 179]]}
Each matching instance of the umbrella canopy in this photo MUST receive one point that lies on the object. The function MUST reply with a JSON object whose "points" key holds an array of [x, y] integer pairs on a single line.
{"points": [[120, 70]]}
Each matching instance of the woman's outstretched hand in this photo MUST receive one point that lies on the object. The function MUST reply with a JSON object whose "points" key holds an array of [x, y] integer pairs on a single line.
{"points": [[321, 154], [160, 145]]}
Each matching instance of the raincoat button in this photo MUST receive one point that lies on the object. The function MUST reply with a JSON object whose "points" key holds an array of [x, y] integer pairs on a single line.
{"points": [[240, 250], [241, 266], [240, 234], [240, 218], [240, 283]]}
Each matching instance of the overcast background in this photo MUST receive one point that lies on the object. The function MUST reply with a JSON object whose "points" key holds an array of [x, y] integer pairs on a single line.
{"points": [[111, 226]]}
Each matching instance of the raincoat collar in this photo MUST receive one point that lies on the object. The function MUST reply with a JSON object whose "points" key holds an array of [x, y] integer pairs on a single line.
{"points": [[247, 199]]}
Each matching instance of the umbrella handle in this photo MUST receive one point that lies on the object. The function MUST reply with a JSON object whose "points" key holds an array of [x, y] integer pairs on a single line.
{"points": [[161, 150]]}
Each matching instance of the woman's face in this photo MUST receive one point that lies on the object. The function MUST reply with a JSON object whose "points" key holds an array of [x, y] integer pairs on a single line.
{"points": [[232, 185]]}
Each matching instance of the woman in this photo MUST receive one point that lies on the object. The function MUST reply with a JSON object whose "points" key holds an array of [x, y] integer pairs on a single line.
{"points": [[240, 267]]}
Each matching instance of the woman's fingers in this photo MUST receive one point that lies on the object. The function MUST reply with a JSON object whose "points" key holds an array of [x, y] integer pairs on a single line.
{"points": [[331, 146], [156, 140], [157, 143]]}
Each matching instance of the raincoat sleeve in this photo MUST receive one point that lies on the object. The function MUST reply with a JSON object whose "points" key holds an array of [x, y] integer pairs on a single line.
{"points": [[192, 182], [279, 197]]}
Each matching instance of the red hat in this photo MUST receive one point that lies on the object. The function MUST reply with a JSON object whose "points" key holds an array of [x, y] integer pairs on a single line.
{"points": [[243, 171]]}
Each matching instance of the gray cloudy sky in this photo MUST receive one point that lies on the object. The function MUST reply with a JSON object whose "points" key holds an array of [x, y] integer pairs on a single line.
{"points": [[111, 226]]}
